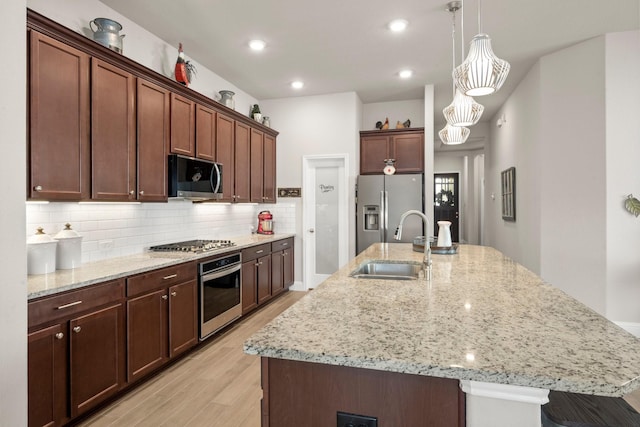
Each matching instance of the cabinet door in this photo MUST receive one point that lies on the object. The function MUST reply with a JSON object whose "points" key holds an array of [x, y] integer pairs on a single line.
{"points": [[183, 314], [224, 154], [113, 138], [264, 278], [96, 357], [408, 150], [256, 165], [146, 333], [269, 170], [249, 286], [277, 272], [288, 268], [241, 158], [182, 126], [47, 370], [373, 152], [153, 134], [58, 121], [205, 133]]}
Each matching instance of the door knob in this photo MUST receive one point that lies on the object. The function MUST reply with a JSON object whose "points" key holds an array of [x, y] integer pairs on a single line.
{"points": [[311, 230], [77, 329]]}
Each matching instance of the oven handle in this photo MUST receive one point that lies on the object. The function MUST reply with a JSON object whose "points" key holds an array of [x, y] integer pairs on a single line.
{"points": [[222, 272]]}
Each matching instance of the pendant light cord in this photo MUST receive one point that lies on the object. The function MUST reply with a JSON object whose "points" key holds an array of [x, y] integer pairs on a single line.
{"points": [[453, 37], [462, 31], [479, 16]]}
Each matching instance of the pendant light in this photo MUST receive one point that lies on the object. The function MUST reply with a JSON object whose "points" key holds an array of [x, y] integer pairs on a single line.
{"points": [[464, 110], [482, 73], [454, 135]]}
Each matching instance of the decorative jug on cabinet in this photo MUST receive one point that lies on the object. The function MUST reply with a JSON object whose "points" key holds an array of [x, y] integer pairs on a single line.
{"points": [[106, 33]]}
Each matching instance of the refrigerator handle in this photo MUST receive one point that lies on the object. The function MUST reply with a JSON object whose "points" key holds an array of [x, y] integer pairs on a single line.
{"points": [[383, 225]]}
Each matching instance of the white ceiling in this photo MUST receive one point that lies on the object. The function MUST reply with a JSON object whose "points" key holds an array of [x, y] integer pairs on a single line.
{"points": [[344, 45]]}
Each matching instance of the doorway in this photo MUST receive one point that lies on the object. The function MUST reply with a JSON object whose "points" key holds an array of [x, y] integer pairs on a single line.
{"points": [[325, 217], [446, 203]]}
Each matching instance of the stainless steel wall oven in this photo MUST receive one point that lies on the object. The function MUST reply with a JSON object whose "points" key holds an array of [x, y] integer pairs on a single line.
{"points": [[220, 294]]}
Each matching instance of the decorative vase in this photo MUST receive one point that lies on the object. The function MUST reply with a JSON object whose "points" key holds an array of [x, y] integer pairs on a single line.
{"points": [[107, 33], [257, 117], [444, 234], [266, 121], [226, 98]]}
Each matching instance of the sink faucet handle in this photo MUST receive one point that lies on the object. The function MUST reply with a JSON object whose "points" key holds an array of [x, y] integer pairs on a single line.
{"points": [[398, 233]]}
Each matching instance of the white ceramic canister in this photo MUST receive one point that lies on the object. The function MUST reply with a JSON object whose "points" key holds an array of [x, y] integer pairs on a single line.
{"points": [[69, 251], [41, 253], [444, 234]]}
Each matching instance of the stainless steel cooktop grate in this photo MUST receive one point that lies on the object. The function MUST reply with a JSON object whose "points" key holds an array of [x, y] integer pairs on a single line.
{"points": [[193, 246]]}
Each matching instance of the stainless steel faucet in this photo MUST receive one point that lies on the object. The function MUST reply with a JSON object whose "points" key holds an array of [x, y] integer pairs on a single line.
{"points": [[426, 262]]}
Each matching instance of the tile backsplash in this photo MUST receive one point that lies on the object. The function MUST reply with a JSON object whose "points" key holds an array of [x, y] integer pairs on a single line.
{"points": [[111, 230]]}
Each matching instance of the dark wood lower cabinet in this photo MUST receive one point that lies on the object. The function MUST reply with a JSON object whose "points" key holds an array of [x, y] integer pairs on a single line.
{"points": [[183, 315], [311, 394]]}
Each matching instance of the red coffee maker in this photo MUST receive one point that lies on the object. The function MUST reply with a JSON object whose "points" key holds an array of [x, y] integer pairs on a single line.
{"points": [[265, 223]]}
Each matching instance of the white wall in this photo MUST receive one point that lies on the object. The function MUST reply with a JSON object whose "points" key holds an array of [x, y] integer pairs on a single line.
{"points": [[395, 111], [310, 125], [139, 45], [13, 259], [622, 174]]}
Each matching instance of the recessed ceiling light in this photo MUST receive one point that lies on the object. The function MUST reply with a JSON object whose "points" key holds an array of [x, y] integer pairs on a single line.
{"points": [[297, 84], [257, 44], [405, 74], [398, 25]]}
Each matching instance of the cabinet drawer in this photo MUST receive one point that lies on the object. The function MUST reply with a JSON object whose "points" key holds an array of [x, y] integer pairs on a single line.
{"points": [[282, 244], [255, 252], [64, 305], [161, 278]]}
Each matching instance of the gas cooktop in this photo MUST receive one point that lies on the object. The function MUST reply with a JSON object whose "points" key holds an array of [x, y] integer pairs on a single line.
{"points": [[193, 246]]}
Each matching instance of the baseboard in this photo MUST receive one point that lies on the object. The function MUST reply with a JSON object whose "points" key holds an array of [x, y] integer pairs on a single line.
{"points": [[297, 286], [632, 328]]}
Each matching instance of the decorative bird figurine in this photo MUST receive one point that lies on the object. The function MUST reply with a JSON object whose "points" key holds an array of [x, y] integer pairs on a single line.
{"points": [[399, 125], [181, 68], [386, 124], [632, 205], [407, 124]]}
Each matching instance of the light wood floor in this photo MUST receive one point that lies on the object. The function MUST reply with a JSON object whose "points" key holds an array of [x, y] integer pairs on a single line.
{"points": [[217, 385]]}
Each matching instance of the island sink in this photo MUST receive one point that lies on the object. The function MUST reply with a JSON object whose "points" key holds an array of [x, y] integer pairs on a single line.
{"points": [[388, 270]]}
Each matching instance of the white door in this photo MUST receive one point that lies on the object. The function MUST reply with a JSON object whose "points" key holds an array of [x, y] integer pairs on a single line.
{"points": [[325, 219]]}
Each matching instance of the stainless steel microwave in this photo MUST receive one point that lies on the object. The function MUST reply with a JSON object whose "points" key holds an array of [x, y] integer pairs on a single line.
{"points": [[194, 179]]}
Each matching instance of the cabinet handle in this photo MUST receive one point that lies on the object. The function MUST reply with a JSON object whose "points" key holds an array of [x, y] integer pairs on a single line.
{"points": [[164, 297], [257, 264], [260, 251], [142, 192], [132, 192], [285, 243], [38, 188], [171, 276], [174, 293], [59, 335], [71, 304], [77, 329]]}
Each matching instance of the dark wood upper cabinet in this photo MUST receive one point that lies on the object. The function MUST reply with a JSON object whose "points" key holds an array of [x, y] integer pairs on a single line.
{"points": [[205, 133], [58, 120], [256, 164], [406, 147], [224, 154], [269, 169], [113, 133], [182, 126], [153, 135], [242, 163]]}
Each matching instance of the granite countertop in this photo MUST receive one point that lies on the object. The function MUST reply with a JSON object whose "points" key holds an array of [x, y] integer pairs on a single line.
{"points": [[483, 317], [115, 268]]}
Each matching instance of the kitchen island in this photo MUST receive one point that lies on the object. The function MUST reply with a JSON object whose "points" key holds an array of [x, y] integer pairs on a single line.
{"points": [[486, 322]]}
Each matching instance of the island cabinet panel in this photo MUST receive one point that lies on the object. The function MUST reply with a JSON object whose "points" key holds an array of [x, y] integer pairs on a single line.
{"points": [[113, 133], [242, 153], [405, 146], [161, 317], [205, 133], [269, 169], [153, 139], [59, 117], [293, 390], [256, 165], [183, 121], [224, 155]]}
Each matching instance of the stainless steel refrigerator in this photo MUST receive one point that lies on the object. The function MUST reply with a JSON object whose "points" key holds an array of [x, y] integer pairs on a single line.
{"points": [[381, 200]]}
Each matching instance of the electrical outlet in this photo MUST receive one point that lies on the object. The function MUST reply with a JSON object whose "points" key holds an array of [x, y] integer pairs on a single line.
{"points": [[105, 244], [353, 420]]}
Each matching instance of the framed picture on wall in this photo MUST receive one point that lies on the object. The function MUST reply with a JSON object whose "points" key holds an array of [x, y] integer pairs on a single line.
{"points": [[509, 194]]}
